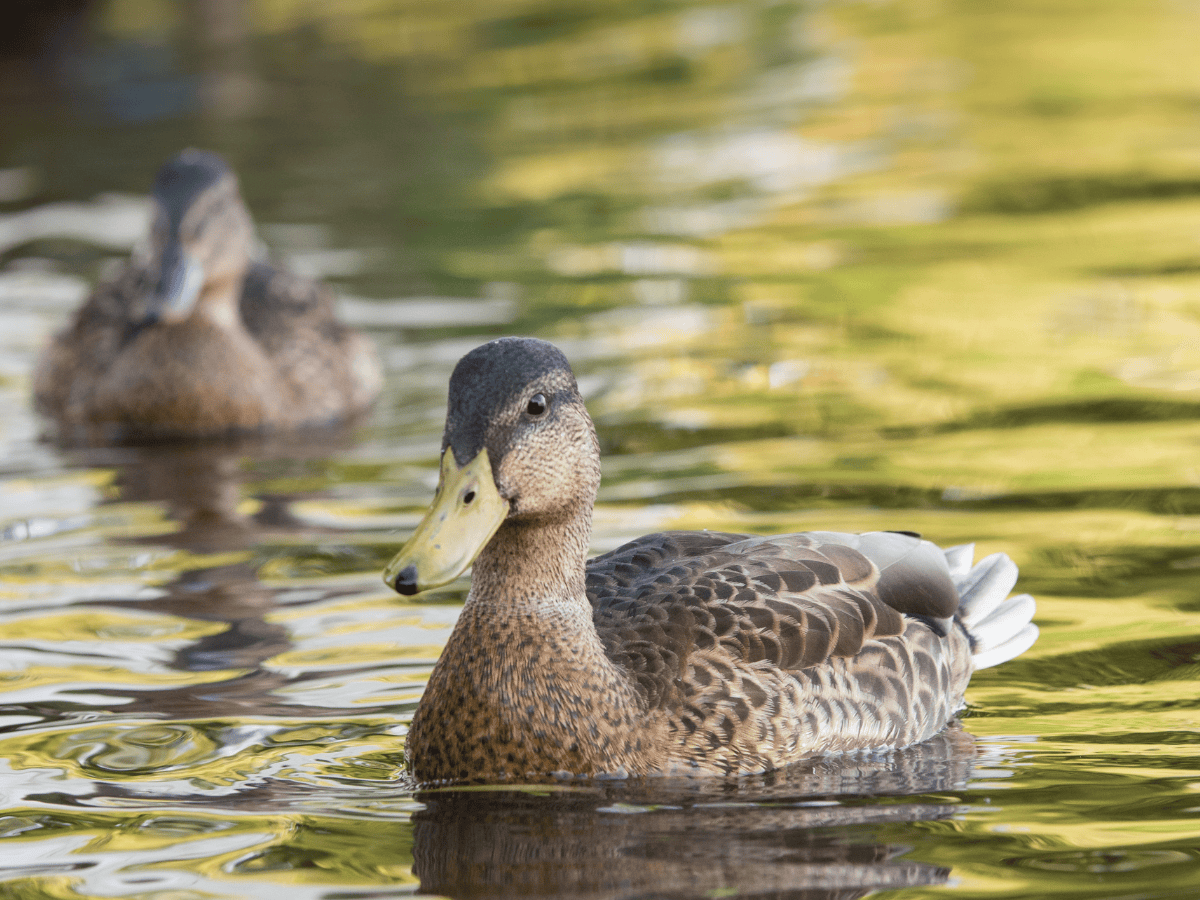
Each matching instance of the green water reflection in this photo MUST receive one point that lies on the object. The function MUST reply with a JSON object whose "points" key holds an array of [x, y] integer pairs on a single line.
{"points": [[839, 265]]}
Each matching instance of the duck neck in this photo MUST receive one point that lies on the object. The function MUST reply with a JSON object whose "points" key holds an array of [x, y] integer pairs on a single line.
{"points": [[219, 302], [518, 688], [535, 563]]}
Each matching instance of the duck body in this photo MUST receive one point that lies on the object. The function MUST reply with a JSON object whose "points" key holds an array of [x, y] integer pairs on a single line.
{"points": [[198, 340], [680, 652]]}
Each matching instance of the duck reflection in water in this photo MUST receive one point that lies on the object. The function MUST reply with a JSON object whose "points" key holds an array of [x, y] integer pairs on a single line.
{"points": [[823, 828], [202, 490], [195, 339], [202, 487]]}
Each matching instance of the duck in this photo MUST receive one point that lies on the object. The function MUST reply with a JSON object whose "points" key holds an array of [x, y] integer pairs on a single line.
{"points": [[193, 337], [679, 653]]}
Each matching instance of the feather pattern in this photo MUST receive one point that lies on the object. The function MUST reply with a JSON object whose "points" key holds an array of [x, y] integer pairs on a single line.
{"points": [[681, 651], [764, 649], [256, 348]]}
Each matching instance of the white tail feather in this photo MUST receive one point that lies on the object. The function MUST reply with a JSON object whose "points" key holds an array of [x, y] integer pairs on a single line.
{"points": [[1010, 649], [1001, 627], [985, 586], [959, 560], [1008, 618]]}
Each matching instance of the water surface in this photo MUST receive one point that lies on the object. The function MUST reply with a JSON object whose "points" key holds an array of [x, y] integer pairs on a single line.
{"points": [[845, 266]]}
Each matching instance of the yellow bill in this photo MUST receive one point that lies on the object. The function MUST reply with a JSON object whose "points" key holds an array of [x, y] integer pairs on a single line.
{"points": [[465, 514]]}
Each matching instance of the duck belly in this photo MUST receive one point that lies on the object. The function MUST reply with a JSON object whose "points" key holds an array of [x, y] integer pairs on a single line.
{"points": [[189, 379]]}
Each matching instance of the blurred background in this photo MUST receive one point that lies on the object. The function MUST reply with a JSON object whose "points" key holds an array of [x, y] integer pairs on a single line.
{"points": [[846, 264]]}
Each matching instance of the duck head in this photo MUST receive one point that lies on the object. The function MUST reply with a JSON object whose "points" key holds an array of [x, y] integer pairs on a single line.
{"points": [[519, 453], [201, 240]]}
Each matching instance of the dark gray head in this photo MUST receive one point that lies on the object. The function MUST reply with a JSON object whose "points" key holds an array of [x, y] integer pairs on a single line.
{"points": [[519, 457], [181, 181], [499, 375], [201, 234], [518, 398]]}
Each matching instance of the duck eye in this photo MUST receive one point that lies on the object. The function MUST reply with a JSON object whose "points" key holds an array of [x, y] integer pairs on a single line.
{"points": [[536, 405]]}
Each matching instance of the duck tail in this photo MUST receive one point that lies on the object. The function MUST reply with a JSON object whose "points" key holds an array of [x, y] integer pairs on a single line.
{"points": [[999, 627]]}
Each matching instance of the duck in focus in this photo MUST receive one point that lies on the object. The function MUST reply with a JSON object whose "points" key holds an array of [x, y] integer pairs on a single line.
{"points": [[194, 338], [679, 652]]}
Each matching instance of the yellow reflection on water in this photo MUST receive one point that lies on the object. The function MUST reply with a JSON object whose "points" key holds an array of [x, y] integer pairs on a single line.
{"points": [[843, 266]]}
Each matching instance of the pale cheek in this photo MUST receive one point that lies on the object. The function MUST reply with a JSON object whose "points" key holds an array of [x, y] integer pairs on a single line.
{"points": [[545, 483]]}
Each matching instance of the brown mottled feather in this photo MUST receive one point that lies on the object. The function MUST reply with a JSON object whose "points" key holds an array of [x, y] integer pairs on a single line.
{"points": [[294, 364], [680, 651], [790, 601], [710, 622], [277, 359]]}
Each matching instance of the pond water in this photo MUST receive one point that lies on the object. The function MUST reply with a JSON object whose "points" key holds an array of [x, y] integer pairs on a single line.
{"points": [[907, 264]]}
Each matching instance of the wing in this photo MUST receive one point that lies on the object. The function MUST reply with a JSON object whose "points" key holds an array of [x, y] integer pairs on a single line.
{"points": [[275, 303], [75, 358], [790, 601], [329, 369]]}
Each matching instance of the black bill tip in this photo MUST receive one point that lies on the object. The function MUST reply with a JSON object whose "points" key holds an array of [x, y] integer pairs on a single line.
{"points": [[406, 581]]}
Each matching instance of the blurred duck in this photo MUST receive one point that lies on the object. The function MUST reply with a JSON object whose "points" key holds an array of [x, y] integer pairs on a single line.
{"points": [[198, 340], [689, 652]]}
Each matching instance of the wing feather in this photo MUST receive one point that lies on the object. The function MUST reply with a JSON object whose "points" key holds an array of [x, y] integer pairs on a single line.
{"points": [[791, 601]]}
